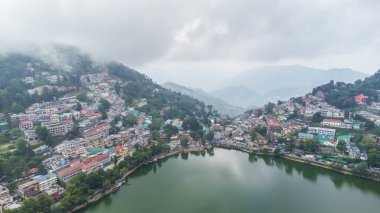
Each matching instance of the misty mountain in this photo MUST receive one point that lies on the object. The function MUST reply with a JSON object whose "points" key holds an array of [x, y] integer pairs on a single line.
{"points": [[274, 83], [220, 105], [22, 72], [237, 95]]}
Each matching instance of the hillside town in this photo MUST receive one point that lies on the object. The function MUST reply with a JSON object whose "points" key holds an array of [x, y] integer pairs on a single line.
{"points": [[82, 132], [309, 129], [95, 129]]}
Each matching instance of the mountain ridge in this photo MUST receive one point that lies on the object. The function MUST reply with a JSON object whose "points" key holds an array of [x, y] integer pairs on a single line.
{"points": [[209, 99]]}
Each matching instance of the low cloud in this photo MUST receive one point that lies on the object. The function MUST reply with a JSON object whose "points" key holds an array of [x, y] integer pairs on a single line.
{"points": [[142, 33]]}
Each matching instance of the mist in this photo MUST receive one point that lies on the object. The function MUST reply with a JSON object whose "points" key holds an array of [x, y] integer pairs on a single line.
{"points": [[191, 42]]}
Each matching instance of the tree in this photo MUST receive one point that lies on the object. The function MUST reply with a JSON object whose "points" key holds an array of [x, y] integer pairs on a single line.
{"points": [[42, 203], [104, 104], [156, 124], [210, 136], [16, 108], [44, 135], [117, 88], [83, 97], [156, 135], [21, 146], [374, 157], [361, 168], [192, 124], [184, 142], [104, 114], [170, 130], [342, 147], [78, 107], [129, 121], [16, 133], [269, 108], [115, 159], [317, 117], [312, 145]]}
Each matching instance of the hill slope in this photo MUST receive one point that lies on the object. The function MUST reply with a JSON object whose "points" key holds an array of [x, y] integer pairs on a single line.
{"points": [[221, 106], [342, 95], [19, 73]]}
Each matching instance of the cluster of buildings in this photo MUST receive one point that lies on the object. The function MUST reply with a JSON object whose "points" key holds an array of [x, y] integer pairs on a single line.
{"points": [[294, 119]]}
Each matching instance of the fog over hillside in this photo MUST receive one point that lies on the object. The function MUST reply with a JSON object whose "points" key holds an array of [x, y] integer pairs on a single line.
{"points": [[258, 86]]}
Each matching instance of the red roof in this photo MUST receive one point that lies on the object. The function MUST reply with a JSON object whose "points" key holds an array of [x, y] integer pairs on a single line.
{"points": [[360, 98], [328, 120], [96, 159], [119, 148], [70, 170], [90, 165], [273, 122]]}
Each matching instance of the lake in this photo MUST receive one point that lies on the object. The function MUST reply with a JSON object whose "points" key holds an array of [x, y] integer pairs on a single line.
{"points": [[233, 181]]}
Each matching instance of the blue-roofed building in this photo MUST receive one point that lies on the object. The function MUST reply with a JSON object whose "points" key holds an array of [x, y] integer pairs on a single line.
{"points": [[302, 135], [3, 126], [47, 182]]}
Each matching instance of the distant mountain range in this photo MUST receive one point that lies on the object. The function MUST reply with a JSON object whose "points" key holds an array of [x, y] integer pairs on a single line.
{"points": [[218, 104], [258, 86]]}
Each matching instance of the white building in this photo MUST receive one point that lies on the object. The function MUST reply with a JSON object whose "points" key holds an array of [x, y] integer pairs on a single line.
{"points": [[321, 131], [71, 144], [46, 181]]}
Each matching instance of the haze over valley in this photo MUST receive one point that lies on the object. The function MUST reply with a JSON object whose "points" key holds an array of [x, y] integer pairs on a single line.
{"points": [[189, 106]]}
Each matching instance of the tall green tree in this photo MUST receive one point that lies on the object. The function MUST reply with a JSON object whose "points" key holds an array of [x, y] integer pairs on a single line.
{"points": [[341, 147]]}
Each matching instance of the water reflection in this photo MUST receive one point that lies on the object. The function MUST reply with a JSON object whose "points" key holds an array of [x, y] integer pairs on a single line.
{"points": [[252, 158], [230, 182], [184, 156], [108, 201], [311, 174], [231, 167], [210, 151]]}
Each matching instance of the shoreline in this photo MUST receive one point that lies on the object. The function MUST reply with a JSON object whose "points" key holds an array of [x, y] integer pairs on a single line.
{"points": [[308, 162], [100, 195]]}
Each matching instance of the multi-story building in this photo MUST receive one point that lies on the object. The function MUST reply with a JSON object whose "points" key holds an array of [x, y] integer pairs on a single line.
{"points": [[5, 197], [46, 182], [71, 144], [58, 128], [332, 122], [325, 132], [3, 126], [30, 135], [26, 125], [66, 174], [332, 113], [91, 167], [29, 188]]}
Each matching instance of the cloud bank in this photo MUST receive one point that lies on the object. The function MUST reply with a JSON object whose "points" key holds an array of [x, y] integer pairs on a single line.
{"points": [[214, 36]]}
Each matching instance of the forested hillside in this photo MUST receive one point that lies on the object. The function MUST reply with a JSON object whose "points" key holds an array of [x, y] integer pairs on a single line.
{"points": [[342, 95]]}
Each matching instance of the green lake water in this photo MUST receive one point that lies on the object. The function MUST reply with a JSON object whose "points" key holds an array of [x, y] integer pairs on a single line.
{"points": [[232, 181]]}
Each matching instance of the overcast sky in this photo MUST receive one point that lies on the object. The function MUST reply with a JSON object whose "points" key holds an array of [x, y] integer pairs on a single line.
{"points": [[191, 41]]}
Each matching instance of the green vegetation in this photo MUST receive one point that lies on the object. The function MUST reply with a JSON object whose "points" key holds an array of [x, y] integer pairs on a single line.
{"points": [[44, 135], [41, 203], [342, 94], [161, 102], [12, 164], [341, 147]]}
